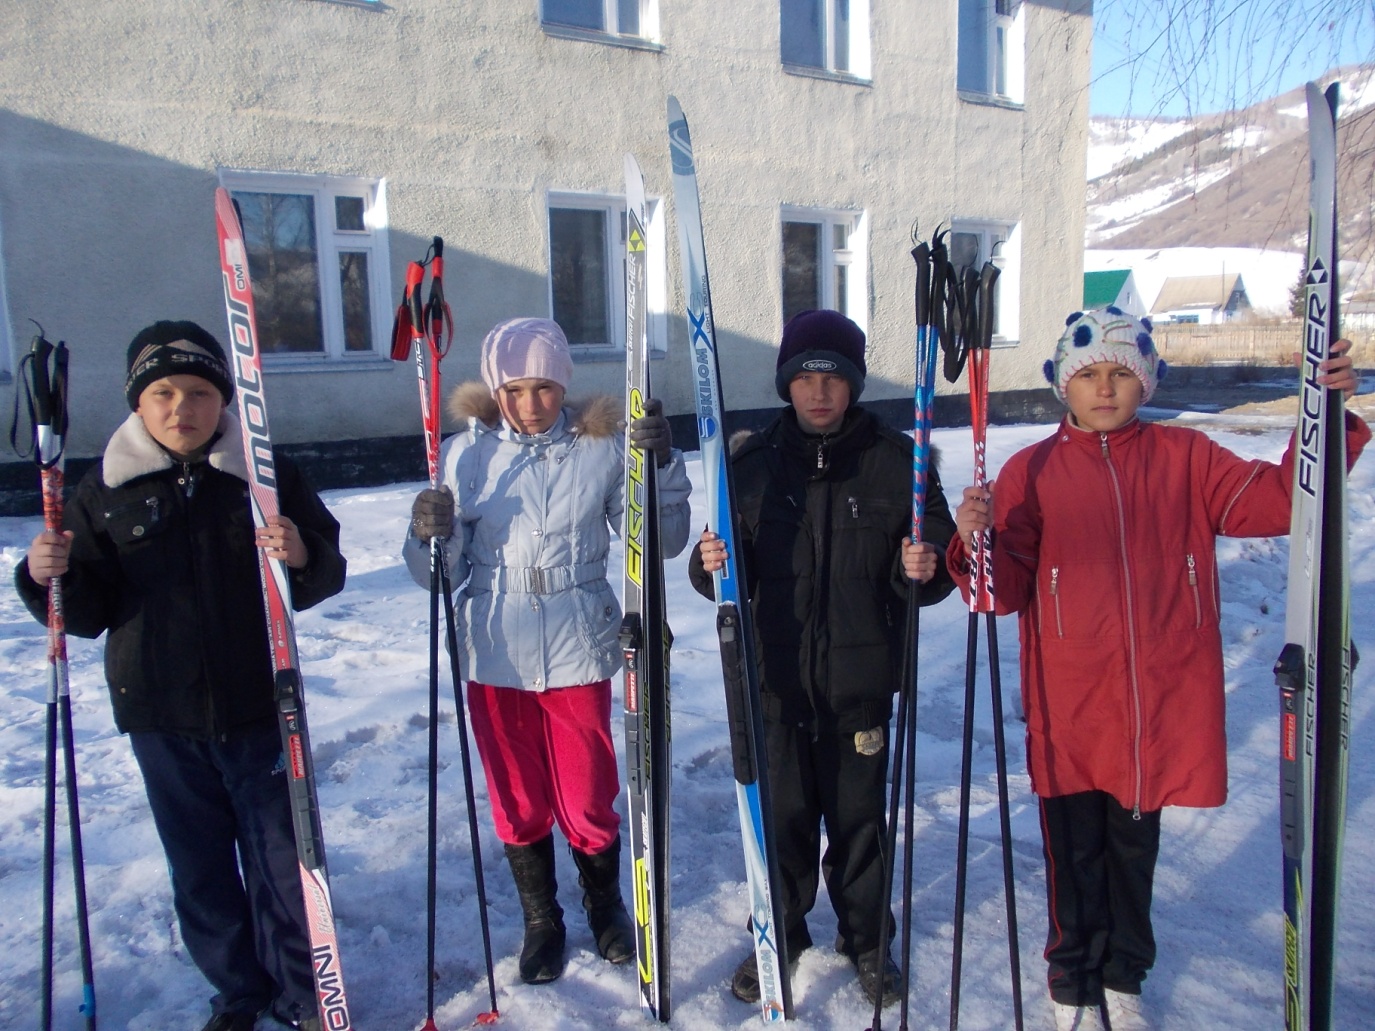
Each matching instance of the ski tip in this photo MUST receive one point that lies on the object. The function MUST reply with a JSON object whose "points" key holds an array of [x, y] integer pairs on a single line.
{"points": [[679, 140], [224, 204]]}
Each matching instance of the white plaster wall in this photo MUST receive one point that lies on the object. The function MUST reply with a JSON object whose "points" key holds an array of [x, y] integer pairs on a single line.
{"points": [[115, 116]]}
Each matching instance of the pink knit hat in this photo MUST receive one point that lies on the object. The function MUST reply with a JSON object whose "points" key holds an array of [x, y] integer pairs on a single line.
{"points": [[526, 349]]}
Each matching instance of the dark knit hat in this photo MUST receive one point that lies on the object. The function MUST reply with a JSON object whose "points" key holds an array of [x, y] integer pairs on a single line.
{"points": [[821, 341], [175, 349]]}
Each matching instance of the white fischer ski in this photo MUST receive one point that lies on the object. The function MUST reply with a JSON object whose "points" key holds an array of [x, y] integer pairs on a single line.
{"points": [[290, 695], [734, 627], [645, 639], [1314, 669]]}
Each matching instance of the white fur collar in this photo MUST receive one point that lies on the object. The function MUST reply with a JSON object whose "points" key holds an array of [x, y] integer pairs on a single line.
{"points": [[133, 452]]}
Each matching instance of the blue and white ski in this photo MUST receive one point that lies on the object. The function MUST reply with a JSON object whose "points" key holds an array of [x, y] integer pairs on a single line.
{"points": [[734, 627]]}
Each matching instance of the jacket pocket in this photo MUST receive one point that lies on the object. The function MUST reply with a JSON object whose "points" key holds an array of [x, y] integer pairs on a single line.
{"points": [[1055, 601], [135, 521], [598, 618], [138, 530], [867, 536], [1193, 590]]}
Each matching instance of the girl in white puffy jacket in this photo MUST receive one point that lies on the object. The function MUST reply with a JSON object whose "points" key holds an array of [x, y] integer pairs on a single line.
{"points": [[530, 493]]}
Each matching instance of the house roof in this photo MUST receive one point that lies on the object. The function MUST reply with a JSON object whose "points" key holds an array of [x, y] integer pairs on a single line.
{"points": [[1103, 288], [1197, 292]]}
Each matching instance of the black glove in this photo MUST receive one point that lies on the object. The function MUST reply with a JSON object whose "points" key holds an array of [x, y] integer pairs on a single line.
{"points": [[432, 514], [650, 432]]}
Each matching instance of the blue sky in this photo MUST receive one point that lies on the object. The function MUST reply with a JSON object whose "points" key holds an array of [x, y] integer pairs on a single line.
{"points": [[1190, 57]]}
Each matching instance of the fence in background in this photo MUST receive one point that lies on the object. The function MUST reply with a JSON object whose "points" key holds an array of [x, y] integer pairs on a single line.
{"points": [[1246, 343]]}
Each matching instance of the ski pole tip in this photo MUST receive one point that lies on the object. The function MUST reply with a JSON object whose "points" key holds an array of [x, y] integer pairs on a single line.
{"points": [[490, 1017]]}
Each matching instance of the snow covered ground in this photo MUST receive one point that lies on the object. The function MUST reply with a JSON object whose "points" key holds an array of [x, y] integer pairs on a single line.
{"points": [[1218, 891]]}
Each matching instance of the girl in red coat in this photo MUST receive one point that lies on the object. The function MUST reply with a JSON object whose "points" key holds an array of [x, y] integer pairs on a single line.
{"points": [[1104, 545]]}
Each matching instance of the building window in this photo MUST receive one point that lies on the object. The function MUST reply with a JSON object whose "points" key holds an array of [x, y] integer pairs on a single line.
{"points": [[638, 18], [823, 262], [6, 341], [974, 242], [991, 46], [587, 271], [318, 258], [825, 35]]}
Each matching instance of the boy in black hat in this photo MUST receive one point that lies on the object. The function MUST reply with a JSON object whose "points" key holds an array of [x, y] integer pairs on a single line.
{"points": [[824, 498], [160, 551]]}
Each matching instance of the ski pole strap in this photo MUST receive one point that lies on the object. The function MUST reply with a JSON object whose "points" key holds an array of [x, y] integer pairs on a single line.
{"points": [[407, 326], [949, 301], [43, 373], [534, 579], [439, 321]]}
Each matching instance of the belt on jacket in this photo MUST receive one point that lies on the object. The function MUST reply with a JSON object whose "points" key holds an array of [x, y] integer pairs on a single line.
{"points": [[534, 579]]}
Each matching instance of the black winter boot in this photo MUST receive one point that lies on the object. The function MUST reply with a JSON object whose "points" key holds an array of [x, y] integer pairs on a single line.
{"points": [[600, 877], [532, 867]]}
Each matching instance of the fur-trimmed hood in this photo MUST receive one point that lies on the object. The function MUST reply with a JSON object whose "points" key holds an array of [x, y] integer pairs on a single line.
{"points": [[598, 416], [132, 451]]}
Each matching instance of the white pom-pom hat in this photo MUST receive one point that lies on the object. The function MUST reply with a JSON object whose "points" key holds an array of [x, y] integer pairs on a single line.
{"points": [[1105, 335]]}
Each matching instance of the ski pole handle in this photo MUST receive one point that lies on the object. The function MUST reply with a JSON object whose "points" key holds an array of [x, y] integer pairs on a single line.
{"points": [[41, 384], [988, 279], [415, 275], [921, 254]]}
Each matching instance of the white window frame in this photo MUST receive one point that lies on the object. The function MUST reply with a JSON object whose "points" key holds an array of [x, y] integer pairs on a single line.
{"points": [[611, 16], [656, 269], [1004, 39], [1000, 242], [7, 358], [855, 258], [330, 242], [858, 59]]}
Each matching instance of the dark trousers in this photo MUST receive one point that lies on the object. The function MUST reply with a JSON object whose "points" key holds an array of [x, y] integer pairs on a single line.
{"points": [[826, 780], [223, 813], [1100, 869]]}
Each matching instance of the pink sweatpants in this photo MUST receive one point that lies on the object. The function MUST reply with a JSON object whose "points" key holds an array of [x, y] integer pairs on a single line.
{"points": [[548, 757]]}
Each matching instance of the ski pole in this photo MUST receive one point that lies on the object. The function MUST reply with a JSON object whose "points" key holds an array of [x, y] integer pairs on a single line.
{"points": [[441, 328], [904, 776], [948, 304], [933, 264], [979, 371], [976, 319], [415, 276], [44, 375], [425, 329]]}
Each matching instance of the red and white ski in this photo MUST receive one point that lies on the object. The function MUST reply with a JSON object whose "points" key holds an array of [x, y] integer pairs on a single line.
{"points": [[291, 705]]}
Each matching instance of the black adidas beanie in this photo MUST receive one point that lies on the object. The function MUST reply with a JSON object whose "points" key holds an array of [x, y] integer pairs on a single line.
{"points": [[821, 341], [175, 349]]}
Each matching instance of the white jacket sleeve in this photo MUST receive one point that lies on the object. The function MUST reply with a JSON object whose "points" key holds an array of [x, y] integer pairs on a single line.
{"points": [[674, 511], [416, 552]]}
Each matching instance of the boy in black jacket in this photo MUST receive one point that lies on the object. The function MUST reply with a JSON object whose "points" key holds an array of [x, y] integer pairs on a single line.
{"points": [[825, 502], [161, 552]]}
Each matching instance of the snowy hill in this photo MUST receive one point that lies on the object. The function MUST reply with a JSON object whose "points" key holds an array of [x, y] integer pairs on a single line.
{"points": [[1155, 182], [1236, 183], [364, 656]]}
